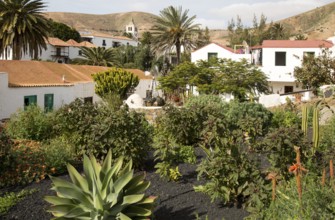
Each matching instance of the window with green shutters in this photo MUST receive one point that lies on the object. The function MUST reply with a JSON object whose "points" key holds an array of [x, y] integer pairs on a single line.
{"points": [[48, 102], [30, 100]]}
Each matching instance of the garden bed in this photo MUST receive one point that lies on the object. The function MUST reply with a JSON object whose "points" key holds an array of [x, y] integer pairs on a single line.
{"points": [[176, 200]]}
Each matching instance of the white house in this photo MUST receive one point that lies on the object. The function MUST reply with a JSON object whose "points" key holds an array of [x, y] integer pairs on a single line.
{"points": [[57, 51], [106, 40], [51, 85], [278, 58], [219, 51]]}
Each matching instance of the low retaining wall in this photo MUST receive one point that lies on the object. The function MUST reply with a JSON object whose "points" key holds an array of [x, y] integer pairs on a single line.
{"points": [[151, 113]]}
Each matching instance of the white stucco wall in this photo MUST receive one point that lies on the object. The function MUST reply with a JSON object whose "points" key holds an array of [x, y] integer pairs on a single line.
{"points": [[96, 40], [294, 57], [12, 98], [202, 53]]}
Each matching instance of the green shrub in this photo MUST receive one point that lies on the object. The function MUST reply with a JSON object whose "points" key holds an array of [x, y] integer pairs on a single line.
{"points": [[278, 146], [104, 192], [174, 134], [58, 152], [317, 202], [32, 124], [26, 163], [126, 132], [285, 118], [232, 177], [10, 199], [252, 118], [74, 121], [5, 146]]}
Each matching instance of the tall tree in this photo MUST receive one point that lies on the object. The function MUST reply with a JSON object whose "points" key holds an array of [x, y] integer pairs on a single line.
{"points": [[63, 32], [22, 27], [97, 56], [174, 29], [316, 71]]}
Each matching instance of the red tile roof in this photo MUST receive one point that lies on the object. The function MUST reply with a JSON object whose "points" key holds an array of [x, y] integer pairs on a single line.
{"points": [[296, 44], [57, 42], [224, 47], [39, 73], [86, 44]]}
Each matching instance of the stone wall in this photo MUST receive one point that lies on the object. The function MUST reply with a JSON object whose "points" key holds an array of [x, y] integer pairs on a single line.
{"points": [[151, 113]]}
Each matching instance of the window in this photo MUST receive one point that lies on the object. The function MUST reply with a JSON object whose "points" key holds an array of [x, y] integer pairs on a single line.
{"points": [[211, 55], [58, 51], [130, 29], [308, 55], [88, 100], [280, 59], [80, 52], [116, 44], [103, 42], [288, 89], [30, 100], [48, 102]]}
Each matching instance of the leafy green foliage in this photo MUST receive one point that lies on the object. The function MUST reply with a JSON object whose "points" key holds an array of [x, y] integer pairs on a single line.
{"points": [[317, 201], [5, 145], [178, 78], [97, 56], [23, 27], [285, 118], [316, 71], [10, 199], [95, 129], [174, 28], [115, 81], [63, 32], [32, 124], [126, 132], [74, 121], [232, 177], [58, 152], [279, 144], [104, 192], [252, 119]]}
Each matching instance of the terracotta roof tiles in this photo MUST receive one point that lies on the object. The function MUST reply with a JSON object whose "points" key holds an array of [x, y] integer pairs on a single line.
{"points": [[296, 44], [39, 73]]}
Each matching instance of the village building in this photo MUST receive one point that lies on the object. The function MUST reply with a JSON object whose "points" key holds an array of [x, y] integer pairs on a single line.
{"points": [[107, 40], [51, 85], [57, 51]]}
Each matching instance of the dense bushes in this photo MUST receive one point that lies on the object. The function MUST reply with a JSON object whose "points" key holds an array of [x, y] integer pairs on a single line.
{"points": [[93, 129], [32, 123]]}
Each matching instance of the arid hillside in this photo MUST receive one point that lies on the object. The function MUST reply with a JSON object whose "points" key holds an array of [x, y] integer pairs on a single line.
{"points": [[315, 24]]}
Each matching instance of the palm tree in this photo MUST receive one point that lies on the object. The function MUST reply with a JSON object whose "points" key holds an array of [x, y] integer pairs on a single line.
{"points": [[22, 27], [174, 29], [97, 56]]}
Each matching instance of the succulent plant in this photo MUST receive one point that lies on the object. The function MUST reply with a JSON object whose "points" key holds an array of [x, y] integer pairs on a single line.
{"points": [[103, 192]]}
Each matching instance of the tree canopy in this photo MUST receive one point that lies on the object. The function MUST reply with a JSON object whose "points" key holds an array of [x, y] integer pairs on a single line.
{"points": [[97, 56], [174, 29], [63, 32], [316, 71], [23, 27], [217, 76]]}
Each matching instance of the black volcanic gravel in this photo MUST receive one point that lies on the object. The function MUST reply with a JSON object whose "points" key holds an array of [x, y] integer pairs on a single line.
{"points": [[176, 200]]}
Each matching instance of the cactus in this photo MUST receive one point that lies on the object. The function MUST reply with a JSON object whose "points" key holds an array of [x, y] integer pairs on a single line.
{"points": [[115, 81], [104, 192], [315, 129], [304, 121]]}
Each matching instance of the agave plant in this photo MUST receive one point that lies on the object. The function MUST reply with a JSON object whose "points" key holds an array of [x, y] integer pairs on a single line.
{"points": [[104, 192]]}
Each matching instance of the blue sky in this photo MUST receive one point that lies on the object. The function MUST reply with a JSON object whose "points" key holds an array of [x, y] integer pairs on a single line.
{"points": [[211, 13]]}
